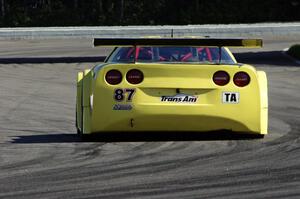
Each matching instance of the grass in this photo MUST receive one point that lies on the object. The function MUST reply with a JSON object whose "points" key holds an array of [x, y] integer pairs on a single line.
{"points": [[294, 51]]}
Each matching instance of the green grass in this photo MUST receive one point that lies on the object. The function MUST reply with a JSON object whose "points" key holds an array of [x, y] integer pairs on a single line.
{"points": [[294, 51]]}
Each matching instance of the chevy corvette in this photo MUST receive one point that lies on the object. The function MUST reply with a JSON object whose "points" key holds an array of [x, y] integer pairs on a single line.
{"points": [[172, 84]]}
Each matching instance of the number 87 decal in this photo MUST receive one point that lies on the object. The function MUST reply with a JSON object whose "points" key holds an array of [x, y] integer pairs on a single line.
{"points": [[121, 94]]}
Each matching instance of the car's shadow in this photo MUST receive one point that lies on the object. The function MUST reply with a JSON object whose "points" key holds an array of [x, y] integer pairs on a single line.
{"points": [[133, 137]]}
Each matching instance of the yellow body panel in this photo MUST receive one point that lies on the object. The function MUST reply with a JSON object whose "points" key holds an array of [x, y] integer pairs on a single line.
{"points": [[149, 113], [263, 93], [79, 101]]}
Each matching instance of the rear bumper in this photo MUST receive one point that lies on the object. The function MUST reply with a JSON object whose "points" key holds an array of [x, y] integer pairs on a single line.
{"points": [[173, 123], [198, 118]]}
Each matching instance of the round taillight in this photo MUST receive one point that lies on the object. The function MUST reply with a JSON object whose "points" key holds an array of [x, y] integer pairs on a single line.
{"points": [[113, 77], [221, 78], [134, 76], [241, 79]]}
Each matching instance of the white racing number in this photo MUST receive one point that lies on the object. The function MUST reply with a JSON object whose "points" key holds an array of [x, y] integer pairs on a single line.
{"points": [[124, 94]]}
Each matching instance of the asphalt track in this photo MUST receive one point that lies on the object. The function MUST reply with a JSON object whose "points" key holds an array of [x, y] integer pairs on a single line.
{"points": [[41, 157]]}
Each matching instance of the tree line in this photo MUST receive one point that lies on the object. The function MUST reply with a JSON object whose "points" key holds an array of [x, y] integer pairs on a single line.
{"points": [[20, 13]]}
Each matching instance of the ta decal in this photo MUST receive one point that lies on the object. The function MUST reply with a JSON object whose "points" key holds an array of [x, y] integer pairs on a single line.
{"points": [[230, 97]]}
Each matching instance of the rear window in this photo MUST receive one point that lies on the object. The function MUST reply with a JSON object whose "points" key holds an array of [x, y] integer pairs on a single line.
{"points": [[210, 55]]}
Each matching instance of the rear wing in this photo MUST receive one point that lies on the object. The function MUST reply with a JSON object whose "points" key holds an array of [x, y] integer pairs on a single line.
{"points": [[204, 42]]}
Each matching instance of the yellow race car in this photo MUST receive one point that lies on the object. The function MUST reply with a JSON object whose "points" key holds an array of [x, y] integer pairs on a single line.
{"points": [[172, 84]]}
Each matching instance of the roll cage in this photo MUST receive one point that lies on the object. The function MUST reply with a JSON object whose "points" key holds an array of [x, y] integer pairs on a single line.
{"points": [[170, 54]]}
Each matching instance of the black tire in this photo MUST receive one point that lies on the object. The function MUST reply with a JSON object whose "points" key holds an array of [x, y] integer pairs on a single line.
{"points": [[256, 136], [259, 136]]}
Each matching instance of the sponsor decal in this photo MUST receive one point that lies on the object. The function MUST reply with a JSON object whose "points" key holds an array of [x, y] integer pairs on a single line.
{"points": [[230, 97], [179, 98], [122, 107]]}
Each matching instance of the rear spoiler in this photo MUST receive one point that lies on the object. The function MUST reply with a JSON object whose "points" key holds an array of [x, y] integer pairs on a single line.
{"points": [[205, 42]]}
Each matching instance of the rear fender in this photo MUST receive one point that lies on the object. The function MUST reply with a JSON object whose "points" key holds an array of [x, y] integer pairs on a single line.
{"points": [[263, 91], [83, 106], [79, 101]]}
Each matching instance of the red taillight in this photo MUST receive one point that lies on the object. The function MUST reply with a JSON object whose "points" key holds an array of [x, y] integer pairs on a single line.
{"points": [[134, 76], [241, 79], [221, 78], [113, 77]]}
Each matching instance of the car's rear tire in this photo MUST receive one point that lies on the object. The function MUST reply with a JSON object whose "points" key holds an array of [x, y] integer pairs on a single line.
{"points": [[256, 136], [259, 136]]}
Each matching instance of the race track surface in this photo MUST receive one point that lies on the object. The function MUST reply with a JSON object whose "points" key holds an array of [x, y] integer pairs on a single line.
{"points": [[41, 157]]}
